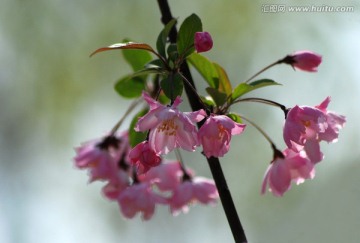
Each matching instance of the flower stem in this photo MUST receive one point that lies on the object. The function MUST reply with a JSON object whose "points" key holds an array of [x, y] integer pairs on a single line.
{"points": [[214, 163], [263, 101], [263, 70], [127, 112]]}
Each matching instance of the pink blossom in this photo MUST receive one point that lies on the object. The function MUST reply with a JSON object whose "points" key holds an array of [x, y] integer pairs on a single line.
{"points": [[302, 128], [292, 166], [335, 122], [304, 60], [144, 157], [139, 198], [166, 176], [197, 189], [99, 156], [306, 126], [203, 41], [170, 128], [215, 134], [116, 184]]}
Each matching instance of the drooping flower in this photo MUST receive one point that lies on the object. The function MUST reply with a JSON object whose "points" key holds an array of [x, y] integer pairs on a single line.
{"points": [[291, 166], [304, 60], [335, 122], [306, 126], [215, 135], [139, 198], [166, 176], [169, 127], [203, 41], [302, 128], [116, 184], [197, 189], [99, 156], [144, 157]]}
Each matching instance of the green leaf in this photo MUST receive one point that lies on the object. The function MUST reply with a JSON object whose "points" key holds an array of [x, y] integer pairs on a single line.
{"points": [[244, 88], [123, 46], [207, 100], [136, 137], [234, 117], [162, 38], [137, 58], [185, 39], [172, 52], [130, 87], [218, 96], [206, 69], [224, 82], [172, 86]]}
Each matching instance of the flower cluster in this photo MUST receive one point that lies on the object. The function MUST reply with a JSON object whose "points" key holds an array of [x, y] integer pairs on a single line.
{"points": [[132, 163], [305, 127], [170, 128], [111, 160]]}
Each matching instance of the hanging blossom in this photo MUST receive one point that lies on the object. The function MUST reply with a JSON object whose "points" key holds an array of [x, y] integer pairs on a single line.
{"points": [[143, 157], [139, 198], [304, 60], [100, 156], [197, 189], [288, 166], [169, 127], [306, 126], [215, 135]]}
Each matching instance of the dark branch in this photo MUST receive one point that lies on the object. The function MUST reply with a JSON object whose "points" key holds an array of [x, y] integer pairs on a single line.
{"points": [[214, 163]]}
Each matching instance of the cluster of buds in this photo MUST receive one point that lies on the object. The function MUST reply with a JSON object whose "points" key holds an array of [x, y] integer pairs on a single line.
{"points": [[132, 163]]}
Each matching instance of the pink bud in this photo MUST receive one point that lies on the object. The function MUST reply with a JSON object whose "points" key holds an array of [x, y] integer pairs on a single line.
{"points": [[203, 41], [304, 60]]}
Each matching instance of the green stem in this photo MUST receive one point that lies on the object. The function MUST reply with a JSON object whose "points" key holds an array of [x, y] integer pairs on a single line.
{"points": [[263, 70], [127, 112]]}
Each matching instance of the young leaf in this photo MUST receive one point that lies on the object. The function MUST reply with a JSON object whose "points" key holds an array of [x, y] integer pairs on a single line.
{"points": [[123, 46], [172, 86], [185, 39], [136, 137], [162, 38], [234, 117], [218, 96], [130, 87], [244, 88], [224, 82], [206, 69]]}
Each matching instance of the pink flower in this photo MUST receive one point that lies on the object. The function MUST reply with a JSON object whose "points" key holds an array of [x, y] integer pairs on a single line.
{"points": [[166, 176], [144, 157], [335, 122], [215, 134], [170, 128], [203, 41], [304, 60], [197, 189], [116, 185], [292, 166], [306, 126], [139, 198], [99, 156], [302, 128]]}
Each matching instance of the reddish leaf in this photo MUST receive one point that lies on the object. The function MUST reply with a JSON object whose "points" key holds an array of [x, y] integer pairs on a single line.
{"points": [[127, 45]]}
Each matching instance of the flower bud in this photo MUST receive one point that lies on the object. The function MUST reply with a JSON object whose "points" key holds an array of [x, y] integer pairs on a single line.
{"points": [[304, 60], [203, 41]]}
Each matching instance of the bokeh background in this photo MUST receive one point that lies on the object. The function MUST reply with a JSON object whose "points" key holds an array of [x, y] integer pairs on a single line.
{"points": [[53, 97]]}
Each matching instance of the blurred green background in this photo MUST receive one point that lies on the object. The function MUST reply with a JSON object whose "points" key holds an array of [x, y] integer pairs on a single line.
{"points": [[53, 97]]}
